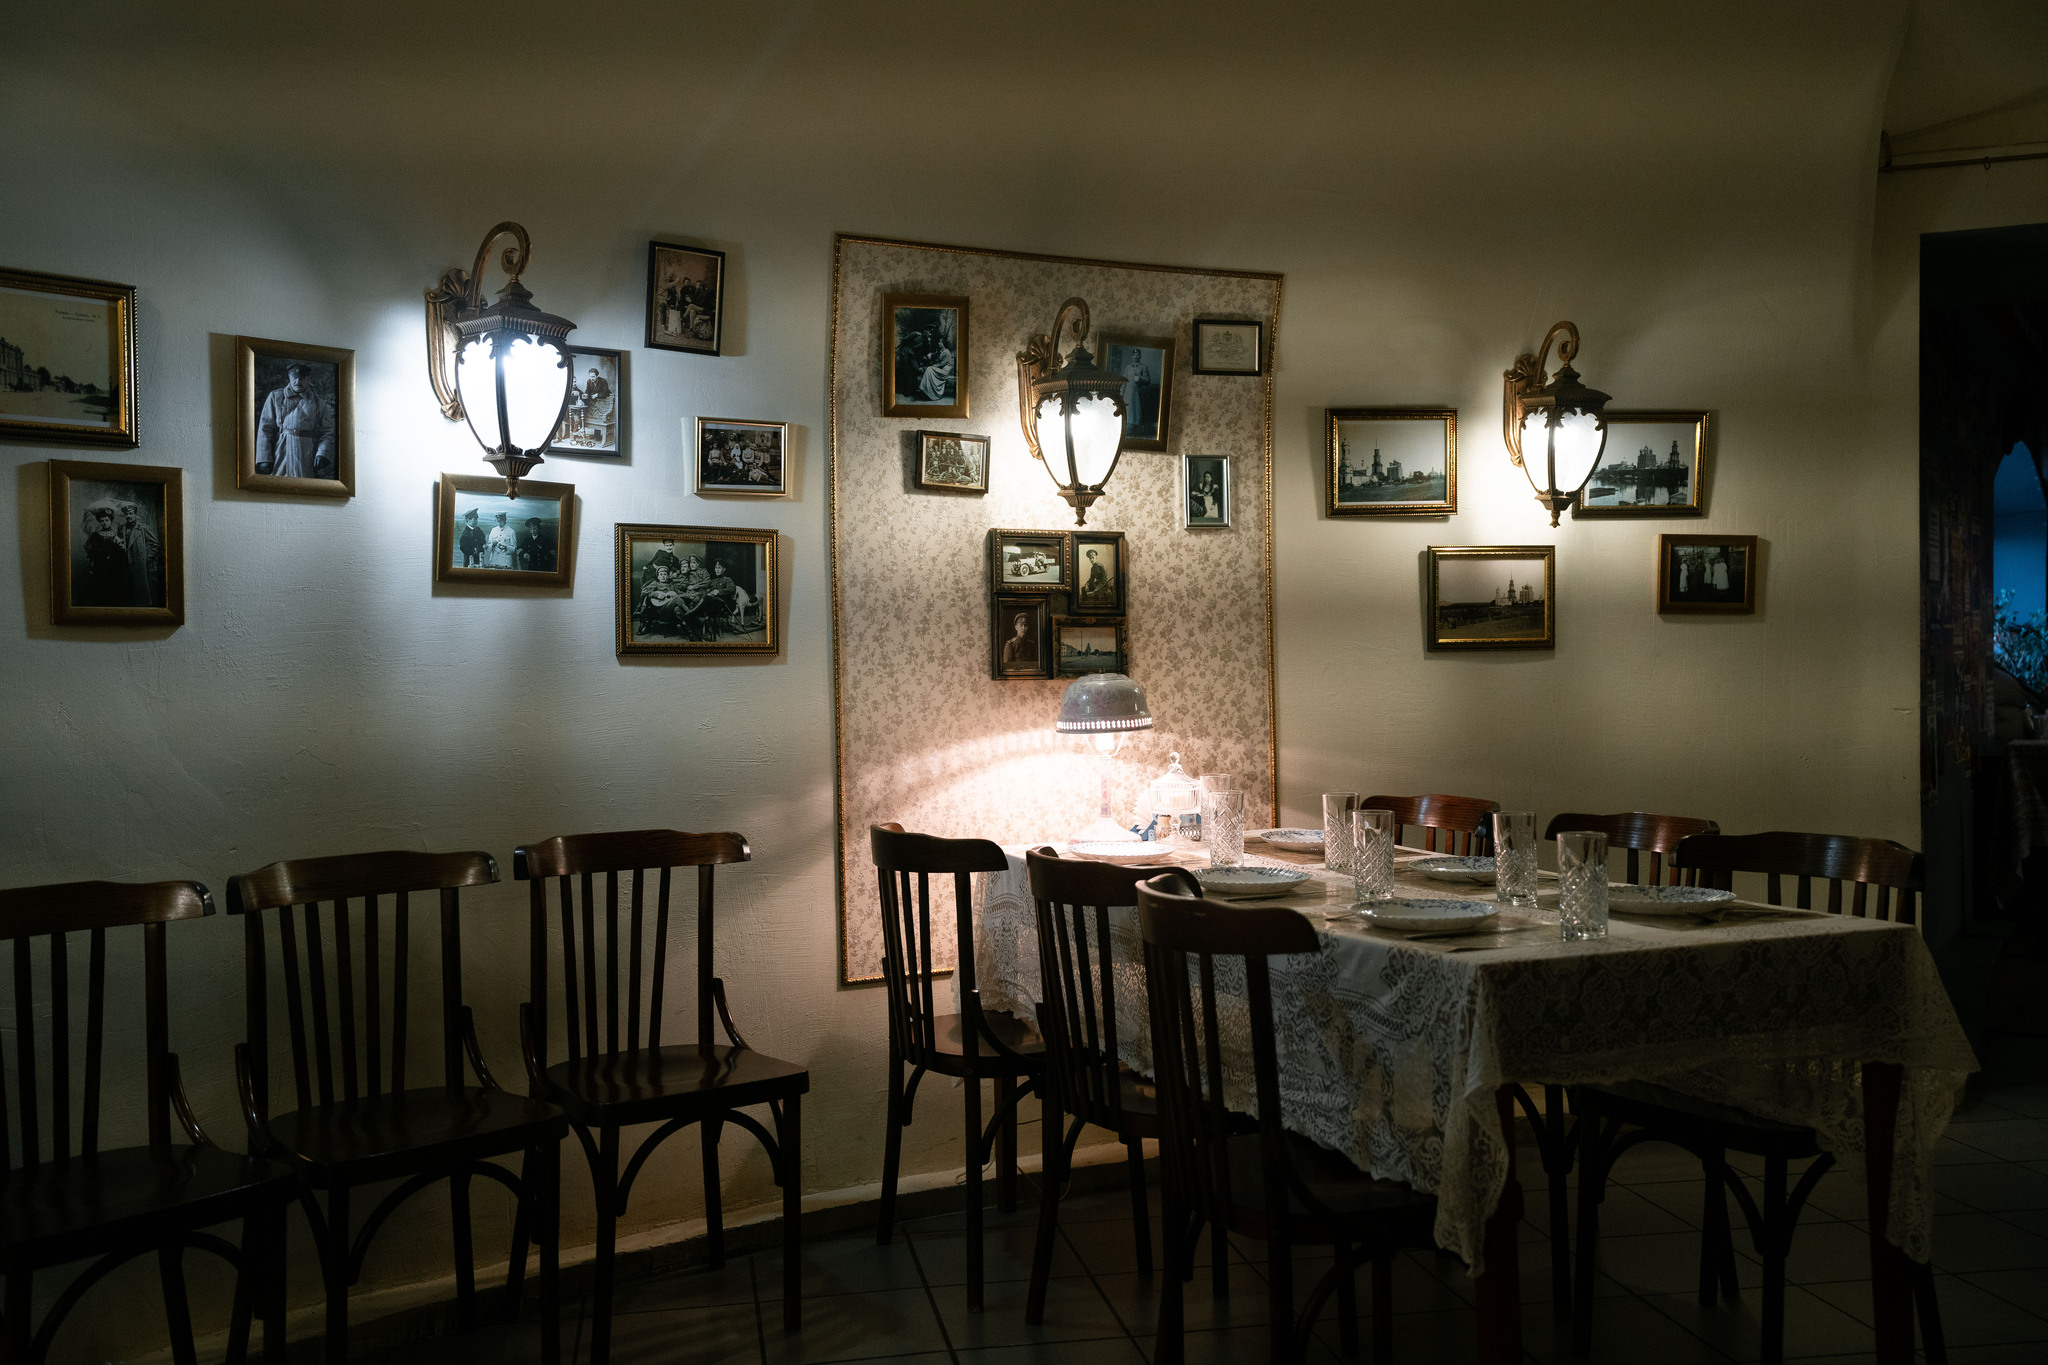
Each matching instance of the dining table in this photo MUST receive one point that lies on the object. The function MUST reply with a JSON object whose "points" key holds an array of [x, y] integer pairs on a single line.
{"points": [[1405, 1052]]}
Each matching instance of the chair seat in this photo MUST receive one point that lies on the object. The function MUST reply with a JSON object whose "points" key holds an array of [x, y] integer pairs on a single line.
{"points": [[1406, 1211], [1658, 1107], [392, 1135], [54, 1213], [1013, 1033], [669, 1082]]}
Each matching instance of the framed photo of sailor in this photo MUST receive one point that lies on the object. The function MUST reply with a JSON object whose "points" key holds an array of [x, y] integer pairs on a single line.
{"points": [[1089, 644], [685, 298], [1707, 575], [1204, 492], [295, 416], [738, 456], [117, 544], [924, 355], [696, 590], [67, 360], [1229, 346], [482, 536], [1021, 646], [1146, 363], [1101, 580], [952, 461], [1492, 597], [594, 422], [1390, 462], [1027, 562], [1652, 466]]}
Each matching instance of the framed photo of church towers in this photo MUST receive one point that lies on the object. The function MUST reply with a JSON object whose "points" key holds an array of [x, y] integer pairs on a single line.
{"points": [[1390, 462], [1652, 466], [1492, 597]]}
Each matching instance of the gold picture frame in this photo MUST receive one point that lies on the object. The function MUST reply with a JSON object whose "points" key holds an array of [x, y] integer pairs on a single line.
{"points": [[119, 570], [1072, 635], [1727, 570], [86, 329], [1632, 459], [276, 421], [924, 372], [1119, 353], [663, 605], [528, 555], [1401, 484], [1475, 601], [730, 452]]}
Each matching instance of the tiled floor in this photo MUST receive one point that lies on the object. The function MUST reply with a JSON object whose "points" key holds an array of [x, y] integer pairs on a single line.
{"points": [[905, 1301]]}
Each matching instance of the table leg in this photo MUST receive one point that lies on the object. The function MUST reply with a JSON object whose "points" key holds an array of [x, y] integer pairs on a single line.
{"points": [[1891, 1273], [1500, 1286]]}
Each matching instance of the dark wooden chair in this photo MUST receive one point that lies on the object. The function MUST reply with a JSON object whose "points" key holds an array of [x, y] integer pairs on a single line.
{"points": [[1612, 1119], [356, 1122], [1450, 824], [1638, 833], [1269, 1183], [67, 1202], [619, 1073], [973, 1045]]}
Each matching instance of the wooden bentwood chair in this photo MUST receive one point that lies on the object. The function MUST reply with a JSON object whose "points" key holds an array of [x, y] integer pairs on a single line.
{"points": [[63, 1204], [1456, 825], [357, 1123], [1270, 1183], [972, 1045], [616, 1074]]}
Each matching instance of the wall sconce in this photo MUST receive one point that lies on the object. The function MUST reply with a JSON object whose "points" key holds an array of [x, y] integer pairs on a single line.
{"points": [[1084, 404], [509, 361], [1561, 423]]}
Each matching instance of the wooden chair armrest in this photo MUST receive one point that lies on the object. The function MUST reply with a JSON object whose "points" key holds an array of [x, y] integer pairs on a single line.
{"points": [[245, 1087], [475, 1051], [182, 1106], [533, 1061], [725, 1014], [970, 1003]]}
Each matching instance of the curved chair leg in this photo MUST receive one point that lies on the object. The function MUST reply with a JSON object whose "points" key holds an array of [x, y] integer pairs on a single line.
{"points": [[1051, 1176], [1557, 1165], [789, 1136], [522, 1235], [606, 1178], [334, 1269], [170, 1262], [544, 1165], [1717, 1243], [249, 1283], [1141, 1216], [1169, 1341], [1006, 1144], [892, 1151], [708, 1133], [1776, 1232], [1929, 1306], [972, 1086], [465, 1250]]}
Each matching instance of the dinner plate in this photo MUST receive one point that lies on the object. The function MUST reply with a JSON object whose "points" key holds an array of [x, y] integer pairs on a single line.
{"points": [[1630, 899], [1294, 840], [1119, 851], [1421, 916], [1445, 869], [1248, 883]]}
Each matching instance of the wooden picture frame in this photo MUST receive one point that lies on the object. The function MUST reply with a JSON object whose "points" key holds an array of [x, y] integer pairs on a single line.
{"points": [[1071, 635], [594, 423], [925, 351], [128, 567], [1029, 562], [295, 409], [1480, 597], [1019, 651], [1147, 363], [482, 536], [1105, 551], [1229, 346], [1413, 469], [952, 462], [685, 298], [1205, 492], [67, 360], [663, 610], [1638, 463], [741, 457], [1707, 583]]}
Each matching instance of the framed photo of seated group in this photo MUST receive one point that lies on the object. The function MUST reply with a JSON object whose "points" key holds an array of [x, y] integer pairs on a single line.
{"points": [[696, 590]]}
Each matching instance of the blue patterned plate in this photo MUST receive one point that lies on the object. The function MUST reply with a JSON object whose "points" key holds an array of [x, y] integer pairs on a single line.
{"points": [[1446, 869], [1247, 883], [1293, 840], [1423, 916], [1630, 899]]}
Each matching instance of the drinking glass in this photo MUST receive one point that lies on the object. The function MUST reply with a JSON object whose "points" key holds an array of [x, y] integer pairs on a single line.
{"points": [[1372, 854], [1514, 857], [1214, 782], [1337, 809], [1223, 823], [1582, 884]]}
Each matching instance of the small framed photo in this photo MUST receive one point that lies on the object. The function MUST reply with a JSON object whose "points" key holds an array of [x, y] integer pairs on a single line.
{"points": [[117, 544], [1229, 346], [295, 407], [1101, 579], [1089, 644], [1205, 492], [952, 461], [67, 360], [685, 298], [482, 536], [1021, 645], [1029, 562], [924, 355], [738, 456], [1492, 597], [1146, 363], [1706, 575], [696, 590], [594, 423], [1652, 466], [1390, 462]]}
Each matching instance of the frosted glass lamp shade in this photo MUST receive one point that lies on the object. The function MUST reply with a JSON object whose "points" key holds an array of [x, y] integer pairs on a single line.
{"points": [[1556, 426], [1072, 410], [513, 375]]}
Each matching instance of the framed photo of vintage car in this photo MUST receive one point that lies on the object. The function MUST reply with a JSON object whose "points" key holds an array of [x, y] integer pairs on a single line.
{"points": [[1146, 363], [685, 298], [1101, 573], [1390, 462], [1492, 597], [1020, 644], [117, 544], [594, 422], [1706, 575], [1229, 346], [1089, 644], [696, 590], [924, 355], [952, 461], [1029, 562], [482, 536], [67, 360], [295, 413], [1652, 466], [739, 456]]}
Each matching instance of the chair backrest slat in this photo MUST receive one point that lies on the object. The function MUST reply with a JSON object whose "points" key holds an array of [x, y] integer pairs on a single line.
{"points": [[60, 1046], [372, 997], [660, 961], [633, 966], [905, 863], [25, 1052], [95, 1042], [611, 960], [1078, 1016], [1450, 824], [1868, 866], [1638, 831]]}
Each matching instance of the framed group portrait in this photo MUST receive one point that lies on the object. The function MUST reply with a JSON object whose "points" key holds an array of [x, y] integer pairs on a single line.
{"points": [[1706, 575], [1204, 492], [685, 298], [952, 461], [1652, 465], [295, 412], [696, 590], [67, 359], [1028, 562], [1089, 644], [1229, 346], [924, 355], [483, 536], [1492, 597], [1146, 363], [1390, 462], [594, 422], [117, 544], [738, 456], [1021, 644], [1101, 577]]}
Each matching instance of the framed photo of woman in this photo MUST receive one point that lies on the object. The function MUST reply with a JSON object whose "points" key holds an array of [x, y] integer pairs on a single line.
{"points": [[1146, 363], [1205, 492], [924, 355], [117, 544]]}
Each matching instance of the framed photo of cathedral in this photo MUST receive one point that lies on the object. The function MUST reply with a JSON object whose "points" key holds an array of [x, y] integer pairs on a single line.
{"points": [[117, 544], [1652, 466], [295, 411], [1492, 597], [1390, 462], [67, 359], [1101, 573]]}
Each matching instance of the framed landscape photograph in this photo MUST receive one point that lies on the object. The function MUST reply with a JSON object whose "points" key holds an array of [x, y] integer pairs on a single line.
{"points": [[1089, 644], [482, 536], [924, 355], [594, 423], [295, 410], [1229, 346], [696, 590], [117, 544], [738, 456], [952, 461], [1205, 492], [1706, 575], [1021, 646], [67, 359], [685, 298], [1492, 597], [1146, 363], [1101, 580], [1028, 561], [1390, 462], [1653, 465]]}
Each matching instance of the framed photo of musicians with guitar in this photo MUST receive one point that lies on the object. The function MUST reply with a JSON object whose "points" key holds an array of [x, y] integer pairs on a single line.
{"points": [[696, 590]]}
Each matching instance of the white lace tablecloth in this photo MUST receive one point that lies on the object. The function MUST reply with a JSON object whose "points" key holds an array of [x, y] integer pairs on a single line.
{"points": [[1391, 1051]]}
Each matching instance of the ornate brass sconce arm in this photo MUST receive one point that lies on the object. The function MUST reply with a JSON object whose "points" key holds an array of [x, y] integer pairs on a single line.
{"points": [[458, 294], [1041, 358], [1527, 376]]}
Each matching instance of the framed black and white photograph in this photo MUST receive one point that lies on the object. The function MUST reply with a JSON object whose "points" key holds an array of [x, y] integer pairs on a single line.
{"points": [[1706, 575], [1492, 597], [295, 409], [924, 355], [1229, 346], [1101, 573], [117, 544], [1089, 644], [696, 590], [1029, 561], [1205, 492], [1022, 647], [1146, 363], [482, 536], [738, 456], [1652, 465], [67, 359], [685, 298], [1390, 462], [594, 423], [952, 461]]}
